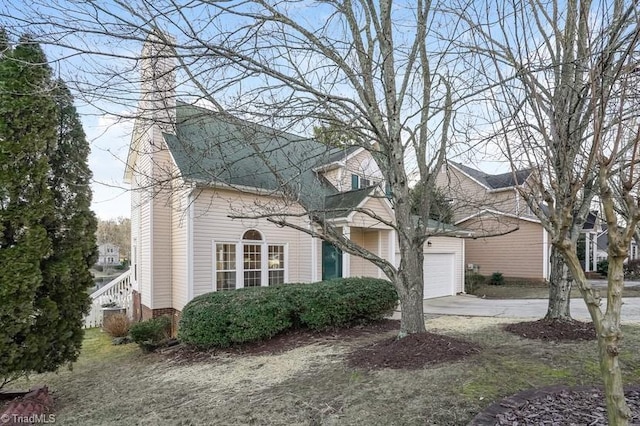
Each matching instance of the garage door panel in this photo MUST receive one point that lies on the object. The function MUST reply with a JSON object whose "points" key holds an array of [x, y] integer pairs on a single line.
{"points": [[438, 275]]}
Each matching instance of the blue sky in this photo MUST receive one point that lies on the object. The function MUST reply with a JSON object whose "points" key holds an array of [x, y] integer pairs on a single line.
{"points": [[109, 138]]}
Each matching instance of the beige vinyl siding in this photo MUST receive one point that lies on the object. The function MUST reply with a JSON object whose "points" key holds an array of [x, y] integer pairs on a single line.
{"points": [[212, 225], [371, 243], [142, 176], [152, 222], [144, 270], [179, 241], [450, 245], [161, 225], [366, 239], [363, 165], [469, 197], [378, 208], [518, 254], [334, 176], [135, 230], [504, 201], [384, 250]]}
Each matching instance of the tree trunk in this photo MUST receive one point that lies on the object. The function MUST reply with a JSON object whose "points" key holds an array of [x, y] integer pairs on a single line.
{"points": [[617, 410], [412, 318], [560, 282], [609, 339], [410, 289], [608, 333]]}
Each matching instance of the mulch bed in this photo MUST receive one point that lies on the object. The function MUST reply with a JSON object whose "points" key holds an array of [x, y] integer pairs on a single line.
{"points": [[556, 405], [553, 330], [34, 406], [283, 342], [411, 352]]}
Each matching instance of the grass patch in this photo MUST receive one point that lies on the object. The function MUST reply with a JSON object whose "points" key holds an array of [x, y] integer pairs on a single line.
{"points": [[530, 290], [312, 385], [97, 349]]}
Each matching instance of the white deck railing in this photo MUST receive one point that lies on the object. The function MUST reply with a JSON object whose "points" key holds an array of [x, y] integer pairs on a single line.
{"points": [[117, 291]]}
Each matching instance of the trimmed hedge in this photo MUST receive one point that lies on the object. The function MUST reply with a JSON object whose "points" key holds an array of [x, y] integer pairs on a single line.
{"points": [[221, 319], [226, 317], [344, 301]]}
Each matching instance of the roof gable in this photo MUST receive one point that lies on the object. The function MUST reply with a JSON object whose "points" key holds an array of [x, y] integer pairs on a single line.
{"points": [[494, 182], [342, 203]]}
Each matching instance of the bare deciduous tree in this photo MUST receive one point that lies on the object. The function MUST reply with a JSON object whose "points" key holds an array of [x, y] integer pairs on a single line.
{"points": [[561, 104]]}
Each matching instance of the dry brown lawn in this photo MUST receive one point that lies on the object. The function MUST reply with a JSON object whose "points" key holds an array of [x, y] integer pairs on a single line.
{"points": [[312, 385]]}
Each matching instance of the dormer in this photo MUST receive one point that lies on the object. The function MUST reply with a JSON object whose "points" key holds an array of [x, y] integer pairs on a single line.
{"points": [[350, 168]]}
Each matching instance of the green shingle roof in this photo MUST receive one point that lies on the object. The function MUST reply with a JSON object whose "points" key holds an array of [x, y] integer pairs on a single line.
{"points": [[342, 203], [211, 148]]}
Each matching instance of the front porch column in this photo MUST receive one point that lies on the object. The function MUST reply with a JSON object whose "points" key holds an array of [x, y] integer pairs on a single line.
{"points": [[392, 247], [314, 256], [587, 251], [594, 248], [346, 257], [380, 251]]}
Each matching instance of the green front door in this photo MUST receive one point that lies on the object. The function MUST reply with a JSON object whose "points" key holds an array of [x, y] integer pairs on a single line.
{"points": [[331, 261]]}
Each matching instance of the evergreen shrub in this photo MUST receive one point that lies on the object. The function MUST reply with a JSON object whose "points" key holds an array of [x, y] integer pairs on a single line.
{"points": [[151, 334], [221, 319], [496, 279]]}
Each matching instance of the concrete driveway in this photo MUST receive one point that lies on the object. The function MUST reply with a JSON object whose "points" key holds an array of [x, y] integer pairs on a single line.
{"points": [[516, 308]]}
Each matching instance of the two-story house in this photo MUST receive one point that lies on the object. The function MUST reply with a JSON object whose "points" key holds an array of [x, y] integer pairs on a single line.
{"points": [[508, 237], [108, 255], [210, 191]]}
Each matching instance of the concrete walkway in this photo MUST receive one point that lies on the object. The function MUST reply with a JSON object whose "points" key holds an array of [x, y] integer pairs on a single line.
{"points": [[467, 305]]}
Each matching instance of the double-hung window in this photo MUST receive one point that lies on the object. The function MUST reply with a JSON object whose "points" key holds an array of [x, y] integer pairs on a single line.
{"points": [[276, 264], [225, 266]]}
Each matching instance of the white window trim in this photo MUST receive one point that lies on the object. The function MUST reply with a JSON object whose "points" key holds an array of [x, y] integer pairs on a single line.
{"points": [[285, 252], [264, 264], [214, 262]]}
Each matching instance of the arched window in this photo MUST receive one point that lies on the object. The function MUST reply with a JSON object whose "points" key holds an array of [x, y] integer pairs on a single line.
{"points": [[252, 234]]}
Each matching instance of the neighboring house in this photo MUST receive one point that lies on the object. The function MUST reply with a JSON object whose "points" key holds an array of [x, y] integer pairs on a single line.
{"points": [[590, 230], [509, 238], [197, 177], [603, 246], [108, 255]]}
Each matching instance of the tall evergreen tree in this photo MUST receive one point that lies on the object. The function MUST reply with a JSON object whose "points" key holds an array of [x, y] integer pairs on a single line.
{"points": [[47, 232], [27, 127], [63, 299]]}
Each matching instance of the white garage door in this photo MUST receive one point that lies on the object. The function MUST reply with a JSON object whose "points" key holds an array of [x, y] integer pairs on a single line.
{"points": [[438, 275]]}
